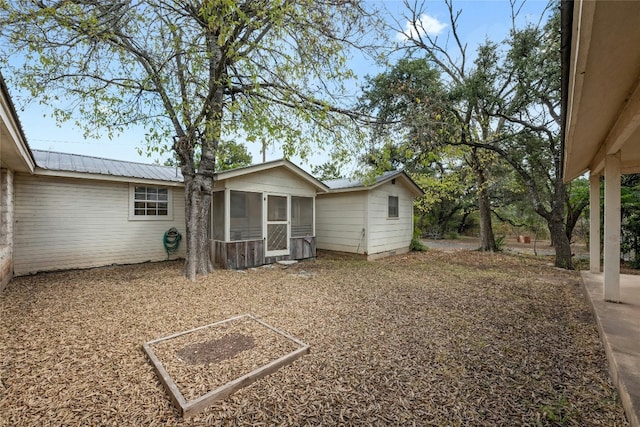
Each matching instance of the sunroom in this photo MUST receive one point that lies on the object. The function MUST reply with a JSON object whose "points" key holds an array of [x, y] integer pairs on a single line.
{"points": [[262, 214]]}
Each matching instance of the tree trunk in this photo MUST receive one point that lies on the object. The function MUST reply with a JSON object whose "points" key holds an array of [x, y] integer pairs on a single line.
{"points": [[557, 228], [487, 239], [560, 243], [573, 215], [197, 204], [462, 227]]}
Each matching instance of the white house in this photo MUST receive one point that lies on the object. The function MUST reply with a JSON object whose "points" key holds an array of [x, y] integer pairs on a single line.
{"points": [[374, 220], [602, 133], [74, 211], [77, 211], [64, 211], [264, 213], [601, 74], [15, 157]]}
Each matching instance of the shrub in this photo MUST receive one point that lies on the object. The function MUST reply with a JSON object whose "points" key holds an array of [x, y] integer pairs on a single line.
{"points": [[416, 245]]}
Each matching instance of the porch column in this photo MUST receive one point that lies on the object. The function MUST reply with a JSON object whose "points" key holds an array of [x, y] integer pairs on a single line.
{"points": [[594, 223], [612, 227]]}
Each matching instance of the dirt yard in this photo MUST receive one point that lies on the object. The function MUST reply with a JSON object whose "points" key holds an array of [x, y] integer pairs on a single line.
{"points": [[437, 338]]}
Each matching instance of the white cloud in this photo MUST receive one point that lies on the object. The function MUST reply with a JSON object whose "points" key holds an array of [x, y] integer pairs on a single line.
{"points": [[425, 25]]}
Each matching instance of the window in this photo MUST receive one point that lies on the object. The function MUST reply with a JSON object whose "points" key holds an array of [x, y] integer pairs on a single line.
{"points": [[393, 207], [277, 208], [238, 204], [218, 215], [246, 216], [301, 216], [153, 203]]}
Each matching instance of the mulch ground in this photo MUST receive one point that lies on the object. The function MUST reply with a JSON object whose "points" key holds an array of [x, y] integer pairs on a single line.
{"points": [[434, 338]]}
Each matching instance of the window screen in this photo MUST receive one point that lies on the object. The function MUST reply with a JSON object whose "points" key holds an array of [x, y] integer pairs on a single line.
{"points": [[246, 216], [218, 215], [393, 206], [301, 216]]}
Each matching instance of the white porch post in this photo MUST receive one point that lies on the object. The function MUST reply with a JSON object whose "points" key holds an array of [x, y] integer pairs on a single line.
{"points": [[594, 223], [612, 227]]}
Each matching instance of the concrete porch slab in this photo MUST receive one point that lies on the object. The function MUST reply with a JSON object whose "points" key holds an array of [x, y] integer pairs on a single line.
{"points": [[619, 327]]}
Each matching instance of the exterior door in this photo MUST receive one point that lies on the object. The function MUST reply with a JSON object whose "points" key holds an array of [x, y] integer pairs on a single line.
{"points": [[277, 225]]}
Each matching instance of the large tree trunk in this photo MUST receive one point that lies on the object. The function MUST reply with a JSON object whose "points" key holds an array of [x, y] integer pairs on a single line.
{"points": [[560, 243], [557, 227], [197, 204], [487, 239], [573, 215]]}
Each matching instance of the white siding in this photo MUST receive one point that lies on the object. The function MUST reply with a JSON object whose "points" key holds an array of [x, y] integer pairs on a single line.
{"points": [[389, 234], [276, 180], [70, 223], [340, 219]]}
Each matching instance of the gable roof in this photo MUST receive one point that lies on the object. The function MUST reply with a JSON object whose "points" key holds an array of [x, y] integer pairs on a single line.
{"points": [[345, 185], [271, 165], [78, 166], [16, 153], [51, 163]]}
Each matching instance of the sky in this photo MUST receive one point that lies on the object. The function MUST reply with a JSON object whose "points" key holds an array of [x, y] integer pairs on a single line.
{"points": [[479, 20]]}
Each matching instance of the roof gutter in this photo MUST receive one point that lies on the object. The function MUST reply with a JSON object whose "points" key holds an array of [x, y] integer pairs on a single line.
{"points": [[566, 34]]}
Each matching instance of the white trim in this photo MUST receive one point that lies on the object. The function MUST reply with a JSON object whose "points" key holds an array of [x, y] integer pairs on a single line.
{"points": [[287, 222], [227, 215], [397, 217], [9, 117], [100, 177], [134, 217], [583, 16]]}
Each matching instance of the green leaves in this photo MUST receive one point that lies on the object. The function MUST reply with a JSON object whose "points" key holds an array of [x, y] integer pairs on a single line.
{"points": [[267, 69]]}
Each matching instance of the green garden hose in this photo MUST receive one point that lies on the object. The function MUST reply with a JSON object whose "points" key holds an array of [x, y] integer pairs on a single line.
{"points": [[171, 241]]}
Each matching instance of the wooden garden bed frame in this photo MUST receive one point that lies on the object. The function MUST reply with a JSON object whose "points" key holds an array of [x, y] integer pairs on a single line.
{"points": [[191, 407]]}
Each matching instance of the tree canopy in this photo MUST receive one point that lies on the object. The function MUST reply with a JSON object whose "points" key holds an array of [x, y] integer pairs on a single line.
{"points": [[501, 104], [191, 72]]}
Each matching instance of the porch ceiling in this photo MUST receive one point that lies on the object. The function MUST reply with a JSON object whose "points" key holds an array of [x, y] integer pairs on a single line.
{"points": [[603, 109], [14, 151]]}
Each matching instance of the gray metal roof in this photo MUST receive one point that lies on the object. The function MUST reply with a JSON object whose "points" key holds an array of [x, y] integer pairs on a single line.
{"points": [[342, 183], [54, 161]]}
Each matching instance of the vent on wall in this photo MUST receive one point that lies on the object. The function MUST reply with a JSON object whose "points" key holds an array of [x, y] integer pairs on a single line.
{"points": [[393, 181]]}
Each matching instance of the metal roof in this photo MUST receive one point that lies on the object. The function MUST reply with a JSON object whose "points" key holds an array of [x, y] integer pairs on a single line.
{"points": [[342, 183], [54, 161]]}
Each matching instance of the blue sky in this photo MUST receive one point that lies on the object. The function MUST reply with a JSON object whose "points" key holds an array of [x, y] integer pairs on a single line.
{"points": [[480, 19]]}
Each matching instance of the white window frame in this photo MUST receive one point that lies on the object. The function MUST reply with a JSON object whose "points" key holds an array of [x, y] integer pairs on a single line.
{"points": [[132, 195], [397, 207]]}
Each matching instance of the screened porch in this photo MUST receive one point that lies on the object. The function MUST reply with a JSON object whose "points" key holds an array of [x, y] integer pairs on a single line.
{"points": [[249, 229]]}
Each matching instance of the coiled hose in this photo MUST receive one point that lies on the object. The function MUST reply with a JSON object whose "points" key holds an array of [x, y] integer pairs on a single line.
{"points": [[171, 241]]}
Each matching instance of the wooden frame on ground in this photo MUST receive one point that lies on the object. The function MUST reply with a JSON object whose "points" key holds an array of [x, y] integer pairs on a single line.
{"points": [[191, 407]]}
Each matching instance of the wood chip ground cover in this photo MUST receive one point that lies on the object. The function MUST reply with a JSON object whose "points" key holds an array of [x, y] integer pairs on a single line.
{"points": [[428, 339]]}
